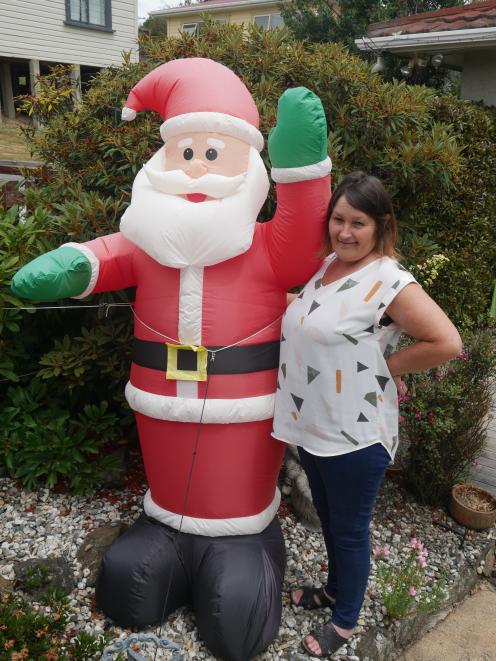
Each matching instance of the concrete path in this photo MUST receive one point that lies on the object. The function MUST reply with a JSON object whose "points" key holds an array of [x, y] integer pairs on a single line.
{"points": [[467, 634]]}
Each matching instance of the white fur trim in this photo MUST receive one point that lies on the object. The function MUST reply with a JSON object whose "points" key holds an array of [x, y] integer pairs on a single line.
{"points": [[95, 266], [190, 305], [214, 122], [304, 173], [128, 114], [242, 525], [216, 411]]}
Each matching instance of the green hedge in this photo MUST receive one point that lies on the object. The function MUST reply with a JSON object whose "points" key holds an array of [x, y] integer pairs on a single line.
{"points": [[435, 153]]}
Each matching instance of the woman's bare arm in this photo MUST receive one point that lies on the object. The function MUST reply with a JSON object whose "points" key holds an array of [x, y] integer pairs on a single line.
{"points": [[437, 340]]}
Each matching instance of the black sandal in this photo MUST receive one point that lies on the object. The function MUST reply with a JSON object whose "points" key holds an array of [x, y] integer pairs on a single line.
{"points": [[312, 598], [328, 638]]}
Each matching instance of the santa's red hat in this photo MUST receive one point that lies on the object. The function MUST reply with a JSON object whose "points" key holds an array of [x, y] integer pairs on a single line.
{"points": [[197, 94]]}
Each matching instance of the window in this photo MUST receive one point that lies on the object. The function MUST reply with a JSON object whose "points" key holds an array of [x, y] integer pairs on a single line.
{"points": [[276, 21], [270, 21], [195, 28], [262, 22], [95, 14], [190, 28]]}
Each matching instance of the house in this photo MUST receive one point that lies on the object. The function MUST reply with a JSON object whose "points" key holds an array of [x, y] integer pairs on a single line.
{"points": [[264, 13], [461, 38], [88, 34]]}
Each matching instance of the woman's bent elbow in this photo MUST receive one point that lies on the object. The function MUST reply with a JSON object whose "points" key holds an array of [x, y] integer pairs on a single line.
{"points": [[454, 345]]}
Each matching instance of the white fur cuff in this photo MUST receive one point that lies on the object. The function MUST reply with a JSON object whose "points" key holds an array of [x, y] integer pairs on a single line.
{"points": [[304, 173], [95, 266]]}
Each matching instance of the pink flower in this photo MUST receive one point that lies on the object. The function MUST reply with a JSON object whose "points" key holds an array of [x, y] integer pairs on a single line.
{"points": [[381, 551], [439, 376], [422, 562], [475, 463], [412, 591], [418, 415], [403, 398], [463, 356], [430, 416], [401, 419], [417, 544]]}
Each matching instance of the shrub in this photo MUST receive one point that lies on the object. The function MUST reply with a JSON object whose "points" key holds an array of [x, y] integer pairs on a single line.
{"points": [[43, 444], [445, 419], [433, 153], [39, 632]]}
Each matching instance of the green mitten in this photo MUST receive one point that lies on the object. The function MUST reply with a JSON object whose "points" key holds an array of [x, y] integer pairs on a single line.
{"points": [[57, 274], [300, 136]]}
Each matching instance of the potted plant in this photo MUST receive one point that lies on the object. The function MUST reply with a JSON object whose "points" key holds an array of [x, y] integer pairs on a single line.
{"points": [[472, 506]]}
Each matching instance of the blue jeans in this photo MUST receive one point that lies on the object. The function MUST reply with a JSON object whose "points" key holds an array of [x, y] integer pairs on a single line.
{"points": [[344, 489]]}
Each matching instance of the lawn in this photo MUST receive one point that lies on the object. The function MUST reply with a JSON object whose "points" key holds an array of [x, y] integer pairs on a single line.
{"points": [[12, 143]]}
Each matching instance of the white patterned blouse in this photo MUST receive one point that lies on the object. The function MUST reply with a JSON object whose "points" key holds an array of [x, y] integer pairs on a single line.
{"points": [[335, 393]]}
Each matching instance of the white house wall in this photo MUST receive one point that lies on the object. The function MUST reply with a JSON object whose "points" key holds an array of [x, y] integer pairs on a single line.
{"points": [[35, 29], [479, 77]]}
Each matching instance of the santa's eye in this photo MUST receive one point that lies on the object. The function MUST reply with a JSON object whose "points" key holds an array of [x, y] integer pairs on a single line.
{"points": [[211, 154], [188, 154]]}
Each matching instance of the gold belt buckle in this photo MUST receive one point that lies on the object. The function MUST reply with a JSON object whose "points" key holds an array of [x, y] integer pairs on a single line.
{"points": [[179, 362]]}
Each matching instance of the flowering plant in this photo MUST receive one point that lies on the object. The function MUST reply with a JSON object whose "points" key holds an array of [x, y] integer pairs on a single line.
{"points": [[426, 272], [443, 419], [403, 588]]}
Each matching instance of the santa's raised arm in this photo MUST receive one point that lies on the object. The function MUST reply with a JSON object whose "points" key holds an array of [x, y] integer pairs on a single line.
{"points": [[211, 286]]}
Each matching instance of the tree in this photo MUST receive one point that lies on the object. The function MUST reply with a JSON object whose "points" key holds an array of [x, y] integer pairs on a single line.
{"points": [[343, 21], [155, 26]]}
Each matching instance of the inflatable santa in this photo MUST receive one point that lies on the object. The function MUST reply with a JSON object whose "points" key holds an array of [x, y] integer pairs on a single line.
{"points": [[211, 287]]}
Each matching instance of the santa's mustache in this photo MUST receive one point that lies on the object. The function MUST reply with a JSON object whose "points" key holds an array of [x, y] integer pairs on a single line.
{"points": [[177, 182]]}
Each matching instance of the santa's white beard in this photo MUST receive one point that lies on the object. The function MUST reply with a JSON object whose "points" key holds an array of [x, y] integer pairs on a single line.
{"points": [[179, 233]]}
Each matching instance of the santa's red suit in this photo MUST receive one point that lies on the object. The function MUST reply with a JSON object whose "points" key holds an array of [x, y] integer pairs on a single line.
{"points": [[233, 484], [206, 275]]}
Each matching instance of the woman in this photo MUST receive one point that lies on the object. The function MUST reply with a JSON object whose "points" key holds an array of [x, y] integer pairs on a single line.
{"points": [[337, 390]]}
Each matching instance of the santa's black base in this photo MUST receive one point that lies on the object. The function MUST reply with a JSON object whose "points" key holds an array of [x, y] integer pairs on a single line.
{"points": [[234, 584]]}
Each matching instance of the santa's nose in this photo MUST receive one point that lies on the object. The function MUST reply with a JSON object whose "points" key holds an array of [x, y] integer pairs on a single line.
{"points": [[196, 168]]}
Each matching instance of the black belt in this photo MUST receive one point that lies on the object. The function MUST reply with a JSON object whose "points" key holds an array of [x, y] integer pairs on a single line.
{"points": [[233, 360]]}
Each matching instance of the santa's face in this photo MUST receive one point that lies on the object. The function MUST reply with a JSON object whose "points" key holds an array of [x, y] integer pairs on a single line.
{"points": [[201, 154], [196, 201]]}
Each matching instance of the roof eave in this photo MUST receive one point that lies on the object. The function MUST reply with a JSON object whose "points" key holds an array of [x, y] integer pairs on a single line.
{"points": [[426, 41], [197, 9]]}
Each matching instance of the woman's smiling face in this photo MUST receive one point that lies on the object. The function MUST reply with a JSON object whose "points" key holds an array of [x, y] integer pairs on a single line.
{"points": [[352, 232]]}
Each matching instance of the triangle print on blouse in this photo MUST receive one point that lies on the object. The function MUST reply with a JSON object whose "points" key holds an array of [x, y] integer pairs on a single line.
{"points": [[313, 307], [298, 401], [312, 373], [347, 285], [382, 381]]}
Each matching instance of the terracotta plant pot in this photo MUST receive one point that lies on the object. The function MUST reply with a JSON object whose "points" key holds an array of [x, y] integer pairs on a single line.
{"points": [[472, 507]]}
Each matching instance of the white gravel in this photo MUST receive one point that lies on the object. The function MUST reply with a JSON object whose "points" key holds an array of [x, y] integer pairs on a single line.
{"points": [[43, 524]]}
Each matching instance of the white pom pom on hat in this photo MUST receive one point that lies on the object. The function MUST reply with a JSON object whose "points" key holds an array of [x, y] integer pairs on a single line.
{"points": [[197, 94]]}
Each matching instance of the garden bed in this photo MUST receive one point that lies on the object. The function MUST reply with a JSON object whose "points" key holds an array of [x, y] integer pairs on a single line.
{"points": [[44, 524]]}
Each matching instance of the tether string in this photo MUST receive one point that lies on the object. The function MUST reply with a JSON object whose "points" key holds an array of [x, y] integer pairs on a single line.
{"points": [[183, 508], [107, 306]]}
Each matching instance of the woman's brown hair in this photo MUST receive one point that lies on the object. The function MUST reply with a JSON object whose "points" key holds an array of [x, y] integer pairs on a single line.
{"points": [[368, 195]]}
